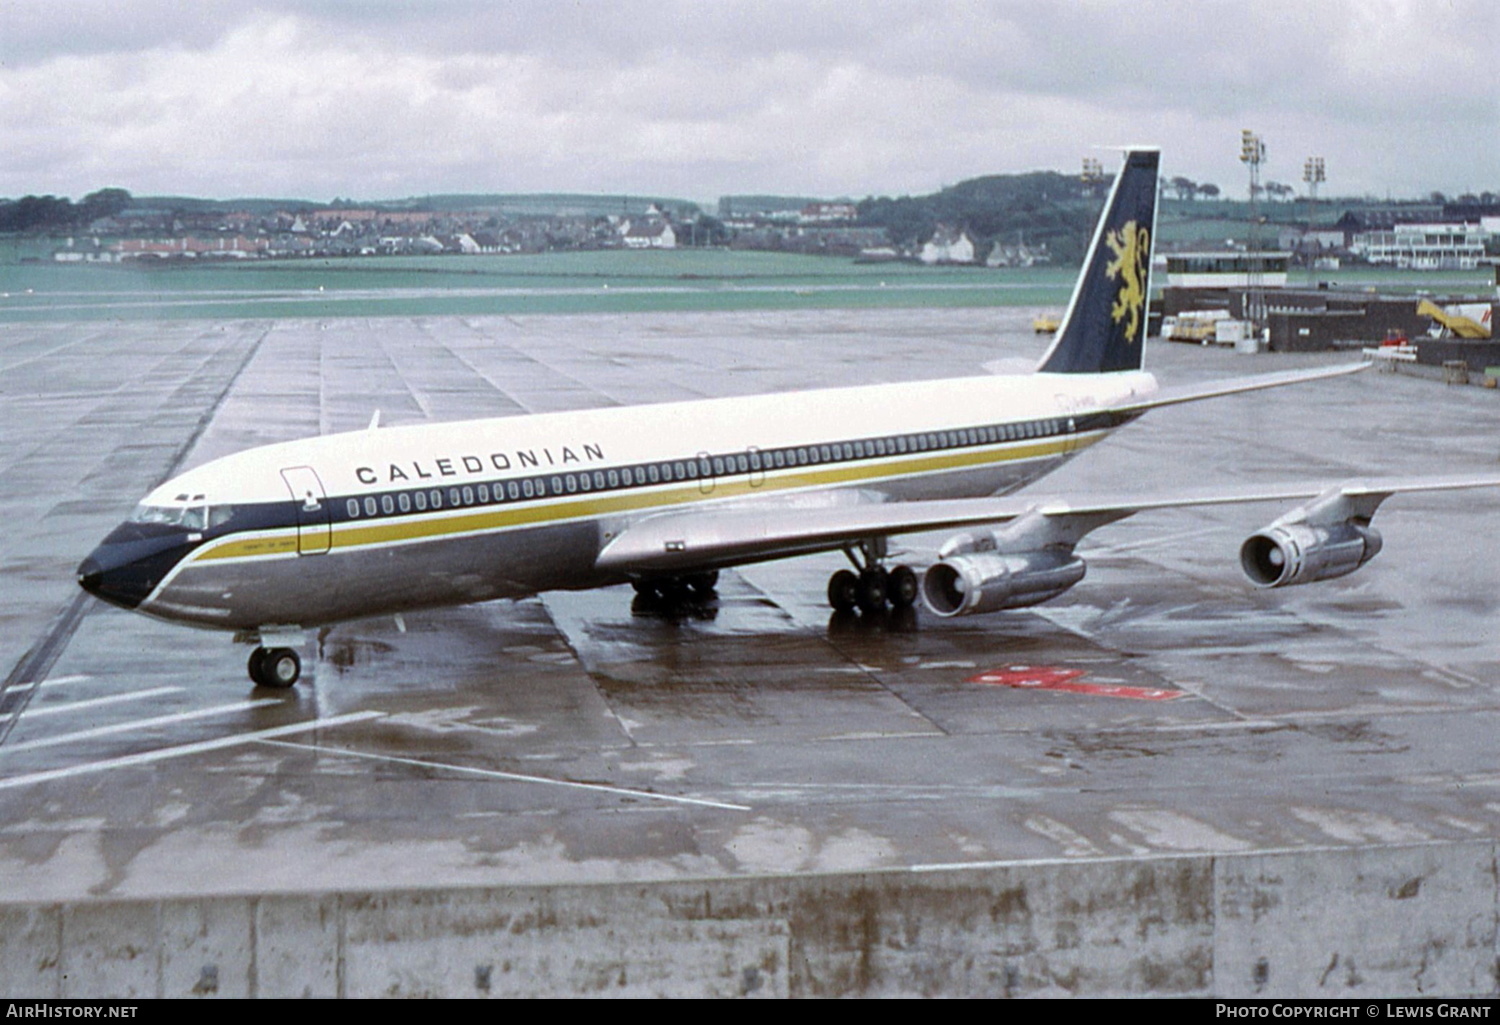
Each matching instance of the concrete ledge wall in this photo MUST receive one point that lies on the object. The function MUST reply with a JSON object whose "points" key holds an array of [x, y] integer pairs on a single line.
{"points": [[1376, 921]]}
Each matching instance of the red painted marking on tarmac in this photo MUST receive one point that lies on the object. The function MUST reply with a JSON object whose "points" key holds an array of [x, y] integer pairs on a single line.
{"points": [[1044, 677], [1068, 680]]}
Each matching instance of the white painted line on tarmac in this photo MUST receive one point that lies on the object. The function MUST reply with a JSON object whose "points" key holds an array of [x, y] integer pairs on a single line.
{"points": [[60, 680], [113, 699], [162, 754], [958, 866], [139, 724], [882, 735], [516, 777], [1156, 541]]}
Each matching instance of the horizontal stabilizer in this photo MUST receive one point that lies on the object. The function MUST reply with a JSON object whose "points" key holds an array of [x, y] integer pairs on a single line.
{"points": [[1235, 386]]}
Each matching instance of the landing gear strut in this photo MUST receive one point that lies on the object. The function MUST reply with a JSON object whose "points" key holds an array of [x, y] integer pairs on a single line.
{"points": [[870, 587], [275, 667]]}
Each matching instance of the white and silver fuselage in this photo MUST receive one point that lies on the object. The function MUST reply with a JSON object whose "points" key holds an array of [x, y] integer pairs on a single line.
{"points": [[343, 526]]}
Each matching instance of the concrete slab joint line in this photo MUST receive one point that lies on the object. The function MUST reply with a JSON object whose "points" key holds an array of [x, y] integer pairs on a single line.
{"points": [[34, 666], [1380, 921]]}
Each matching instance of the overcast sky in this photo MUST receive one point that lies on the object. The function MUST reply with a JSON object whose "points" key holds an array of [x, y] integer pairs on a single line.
{"points": [[391, 98]]}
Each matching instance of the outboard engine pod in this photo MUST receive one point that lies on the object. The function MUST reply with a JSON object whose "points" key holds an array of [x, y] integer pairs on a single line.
{"points": [[1299, 553]]}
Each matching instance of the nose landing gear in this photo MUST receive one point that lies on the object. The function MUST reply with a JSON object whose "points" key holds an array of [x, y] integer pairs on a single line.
{"points": [[278, 668], [274, 661]]}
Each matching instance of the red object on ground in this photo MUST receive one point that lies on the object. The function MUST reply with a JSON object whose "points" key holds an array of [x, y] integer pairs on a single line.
{"points": [[1058, 678]]}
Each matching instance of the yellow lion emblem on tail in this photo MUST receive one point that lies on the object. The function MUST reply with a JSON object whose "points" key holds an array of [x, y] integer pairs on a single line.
{"points": [[1130, 244]]}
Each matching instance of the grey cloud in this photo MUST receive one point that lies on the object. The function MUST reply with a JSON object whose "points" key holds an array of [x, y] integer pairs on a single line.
{"points": [[702, 97]]}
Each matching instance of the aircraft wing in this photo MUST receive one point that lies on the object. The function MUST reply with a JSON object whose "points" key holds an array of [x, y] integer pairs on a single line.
{"points": [[693, 540], [708, 538]]}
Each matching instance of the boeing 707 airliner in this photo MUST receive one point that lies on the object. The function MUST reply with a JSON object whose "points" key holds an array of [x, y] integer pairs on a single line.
{"points": [[275, 541]]}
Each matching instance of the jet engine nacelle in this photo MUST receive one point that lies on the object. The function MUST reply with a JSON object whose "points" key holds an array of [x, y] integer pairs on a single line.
{"points": [[1284, 554], [961, 585]]}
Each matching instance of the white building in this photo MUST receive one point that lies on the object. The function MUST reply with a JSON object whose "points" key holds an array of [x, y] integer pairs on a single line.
{"points": [[1424, 246], [652, 233], [946, 247], [1018, 255], [828, 213], [1233, 269]]}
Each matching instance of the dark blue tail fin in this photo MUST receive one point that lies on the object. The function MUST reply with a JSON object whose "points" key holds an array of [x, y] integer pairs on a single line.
{"points": [[1105, 326]]}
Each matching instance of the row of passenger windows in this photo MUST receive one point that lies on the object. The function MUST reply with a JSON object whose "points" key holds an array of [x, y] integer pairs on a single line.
{"points": [[702, 468]]}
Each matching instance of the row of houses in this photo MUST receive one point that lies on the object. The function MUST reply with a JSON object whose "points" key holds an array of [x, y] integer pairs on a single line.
{"points": [[816, 213], [1419, 246], [187, 247], [950, 246], [946, 247], [342, 233]]}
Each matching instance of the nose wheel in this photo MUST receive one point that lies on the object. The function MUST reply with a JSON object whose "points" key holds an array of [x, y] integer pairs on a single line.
{"points": [[278, 668]]}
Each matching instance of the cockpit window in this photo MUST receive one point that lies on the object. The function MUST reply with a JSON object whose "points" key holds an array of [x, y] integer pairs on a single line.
{"points": [[188, 517]]}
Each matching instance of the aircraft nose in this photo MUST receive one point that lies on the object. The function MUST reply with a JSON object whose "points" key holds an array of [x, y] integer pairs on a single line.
{"points": [[108, 574], [126, 567], [90, 575]]}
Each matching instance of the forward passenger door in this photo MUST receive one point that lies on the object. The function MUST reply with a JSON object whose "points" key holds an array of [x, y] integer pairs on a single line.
{"points": [[314, 524]]}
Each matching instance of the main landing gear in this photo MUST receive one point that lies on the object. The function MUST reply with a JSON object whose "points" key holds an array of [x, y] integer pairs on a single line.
{"points": [[672, 590], [275, 667], [691, 595], [870, 587]]}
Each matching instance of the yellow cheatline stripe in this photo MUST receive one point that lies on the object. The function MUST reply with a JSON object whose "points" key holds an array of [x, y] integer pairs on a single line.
{"points": [[280, 544], [491, 518]]}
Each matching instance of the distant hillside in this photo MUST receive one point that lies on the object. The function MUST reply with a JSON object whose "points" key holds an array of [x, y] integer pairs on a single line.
{"points": [[530, 205], [744, 206], [1040, 207], [193, 205], [543, 204]]}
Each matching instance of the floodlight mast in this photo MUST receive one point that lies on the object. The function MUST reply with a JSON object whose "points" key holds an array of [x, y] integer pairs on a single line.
{"points": [[1092, 176], [1314, 174], [1252, 155]]}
